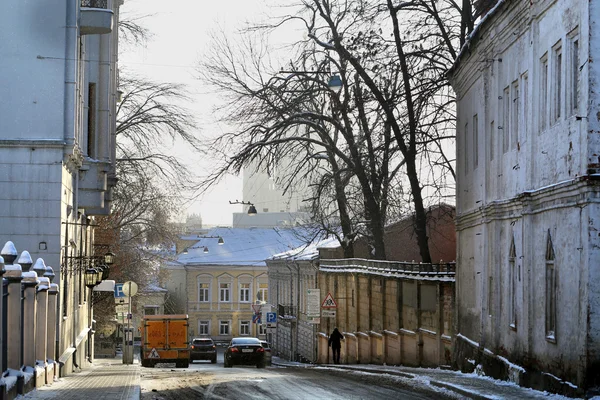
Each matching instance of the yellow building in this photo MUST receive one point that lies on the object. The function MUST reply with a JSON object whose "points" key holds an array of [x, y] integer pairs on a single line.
{"points": [[221, 280]]}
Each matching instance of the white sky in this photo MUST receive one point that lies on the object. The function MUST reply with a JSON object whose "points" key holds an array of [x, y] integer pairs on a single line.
{"points": [[180, 30]]}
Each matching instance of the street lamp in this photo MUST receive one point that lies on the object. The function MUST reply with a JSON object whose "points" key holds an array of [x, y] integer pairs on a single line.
{"points": [[90, 277], [251, 210]]}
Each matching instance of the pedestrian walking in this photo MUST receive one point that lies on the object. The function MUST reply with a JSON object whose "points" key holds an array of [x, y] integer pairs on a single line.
{"points": [[335, 344]]}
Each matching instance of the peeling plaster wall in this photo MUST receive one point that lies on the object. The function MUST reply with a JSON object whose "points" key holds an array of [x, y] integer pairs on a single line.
{"points": [[529, 181]]}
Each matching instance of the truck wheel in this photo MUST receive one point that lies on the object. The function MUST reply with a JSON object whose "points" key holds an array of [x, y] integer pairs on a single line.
{"points": [[185, 364]]}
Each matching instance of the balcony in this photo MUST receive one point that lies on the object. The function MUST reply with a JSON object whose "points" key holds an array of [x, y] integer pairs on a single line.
{"points": [[96, 18]]}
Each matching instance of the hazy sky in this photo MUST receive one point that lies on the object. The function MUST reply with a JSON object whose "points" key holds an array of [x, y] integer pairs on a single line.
{"points": [[180, 35]]}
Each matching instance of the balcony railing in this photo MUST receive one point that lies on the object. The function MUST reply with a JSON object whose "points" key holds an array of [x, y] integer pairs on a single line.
{"points": [[94, 3], [390, 267], [96, 18]]}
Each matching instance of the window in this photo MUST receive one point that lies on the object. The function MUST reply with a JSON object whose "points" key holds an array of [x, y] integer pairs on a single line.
{"points": [[466, 149], [506, 119], [203, 327], [557, 82], [543, 92], [492, 139], [91, 121], [224, 292], [262, 294], [475, 142], [512, 256], [550, 291], [514, 118], [573, 89], [244, 328], [490, 299], [244, 292], [223, 327], [262, 329], [203, 294], [525, 85], [150, 310]]}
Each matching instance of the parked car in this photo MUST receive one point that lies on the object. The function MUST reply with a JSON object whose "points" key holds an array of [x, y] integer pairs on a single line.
{"points": [[267, 348], [203, 349], [245, 351]]}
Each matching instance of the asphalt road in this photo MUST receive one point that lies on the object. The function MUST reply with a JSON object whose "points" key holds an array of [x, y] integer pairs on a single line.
{"points": [[203, 380]]}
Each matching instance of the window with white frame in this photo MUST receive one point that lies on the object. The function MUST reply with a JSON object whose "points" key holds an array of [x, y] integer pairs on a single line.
{"points": [[543, 98], [475, 142], [262, 329], [151, 310], [244, 328], [224, 327], [557, 81], [245, 292], [573, 72], [263, 292], [203, 327], [203, 292], [224, 292], [512, 256], [550, 291]]}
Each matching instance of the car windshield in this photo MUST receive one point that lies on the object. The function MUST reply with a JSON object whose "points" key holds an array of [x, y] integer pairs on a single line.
{"points": [[245, 341]]}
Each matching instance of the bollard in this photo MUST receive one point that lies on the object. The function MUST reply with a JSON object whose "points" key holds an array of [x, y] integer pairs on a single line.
{"points": [[29, 283]]}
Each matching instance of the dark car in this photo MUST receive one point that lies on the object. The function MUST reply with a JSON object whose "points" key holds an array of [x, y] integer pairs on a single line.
{"points": [[203, 349], [245, 351]]}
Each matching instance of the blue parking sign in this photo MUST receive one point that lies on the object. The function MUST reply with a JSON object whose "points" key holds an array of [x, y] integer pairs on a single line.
{"points": [[271, 318], [119, 291]]}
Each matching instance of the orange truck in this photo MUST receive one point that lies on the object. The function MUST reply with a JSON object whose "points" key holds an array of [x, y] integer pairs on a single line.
{"points": [[165, 340]]}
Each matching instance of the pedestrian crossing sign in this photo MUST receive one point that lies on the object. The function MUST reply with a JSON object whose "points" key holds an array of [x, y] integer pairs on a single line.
{"points": [[329, 302], [153, 353]]}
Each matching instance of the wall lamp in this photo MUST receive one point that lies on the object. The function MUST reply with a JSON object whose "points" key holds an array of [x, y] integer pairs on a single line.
{"points": [[251, 210]]}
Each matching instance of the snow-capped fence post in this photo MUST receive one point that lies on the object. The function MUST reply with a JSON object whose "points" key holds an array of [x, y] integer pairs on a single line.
{"points": [[52, 369], [29, 286], [41, 331], [14, 277]]}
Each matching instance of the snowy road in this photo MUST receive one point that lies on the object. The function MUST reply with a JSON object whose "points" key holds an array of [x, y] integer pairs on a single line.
{"points": [[212, 381]]}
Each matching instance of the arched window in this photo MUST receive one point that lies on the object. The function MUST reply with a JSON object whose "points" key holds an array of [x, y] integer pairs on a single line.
{"points": [[550, 290]]}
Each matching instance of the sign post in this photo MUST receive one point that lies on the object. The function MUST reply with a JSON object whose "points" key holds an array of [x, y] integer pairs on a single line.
{"points": [[129, 289], [256, 318]]}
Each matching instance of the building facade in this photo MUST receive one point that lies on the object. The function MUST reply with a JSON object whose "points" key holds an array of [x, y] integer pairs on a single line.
{"points": [[57, 145], [223, 286], [528, 293]]}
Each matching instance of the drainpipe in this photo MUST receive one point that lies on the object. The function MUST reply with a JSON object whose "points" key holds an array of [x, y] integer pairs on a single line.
{"points": [[297, 305], [70, 71]]}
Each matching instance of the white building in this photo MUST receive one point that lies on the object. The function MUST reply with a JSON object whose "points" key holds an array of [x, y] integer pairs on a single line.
{"points": [[57, 144], [528, 283]]}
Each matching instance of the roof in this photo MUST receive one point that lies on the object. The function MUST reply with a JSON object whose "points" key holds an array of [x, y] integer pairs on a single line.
{"points": [[308, 251], [242, 246]]}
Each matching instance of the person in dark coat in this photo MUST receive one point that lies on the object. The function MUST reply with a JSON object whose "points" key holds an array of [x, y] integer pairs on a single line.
{"points": [[335, 344]]}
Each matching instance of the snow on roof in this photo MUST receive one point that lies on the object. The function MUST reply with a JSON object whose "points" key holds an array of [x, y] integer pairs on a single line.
{"points": [[151, 287], [308, 251], [243, 246]]}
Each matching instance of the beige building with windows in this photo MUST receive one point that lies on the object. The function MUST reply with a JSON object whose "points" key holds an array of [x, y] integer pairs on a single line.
{"points": [[222, 286]]}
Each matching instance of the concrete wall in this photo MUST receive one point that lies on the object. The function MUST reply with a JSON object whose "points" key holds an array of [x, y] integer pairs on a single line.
{"points": [[389, 319]]}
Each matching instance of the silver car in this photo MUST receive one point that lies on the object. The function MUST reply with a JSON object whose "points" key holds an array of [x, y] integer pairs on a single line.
{"points": [[267, 348]]}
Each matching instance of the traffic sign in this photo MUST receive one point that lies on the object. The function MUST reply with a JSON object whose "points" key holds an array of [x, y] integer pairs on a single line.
{"points": [[256, 308], [153, 353], [119, 290], [256, 319], [130, 288], [328, 314], [271, 317], [329, 302]]}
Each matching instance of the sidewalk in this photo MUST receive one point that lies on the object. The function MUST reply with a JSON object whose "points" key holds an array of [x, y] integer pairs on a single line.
{"points": [[107, 379], [470, 386]]}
